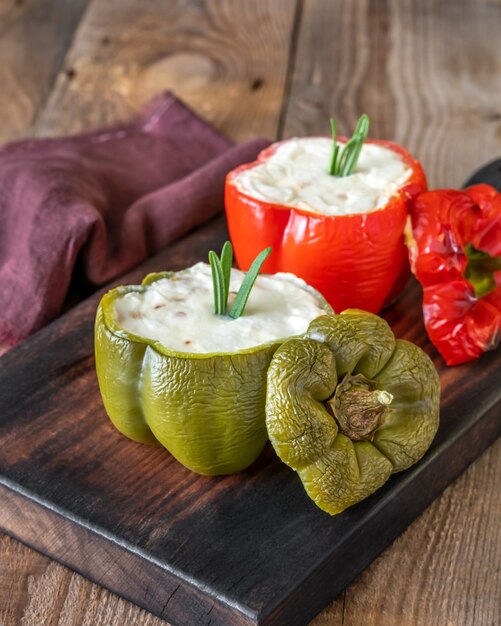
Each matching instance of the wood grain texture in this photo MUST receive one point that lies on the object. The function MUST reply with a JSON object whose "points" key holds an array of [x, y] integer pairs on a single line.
{"points": [[445, 569], [39, 591], [428, 73], [243, 549], [34, 37], [27, 76], [226, 59], [416, 84], [450, 543]]}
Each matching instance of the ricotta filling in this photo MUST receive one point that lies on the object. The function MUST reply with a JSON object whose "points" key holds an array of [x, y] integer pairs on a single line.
{"points": [[178, 311], [297, 175]]}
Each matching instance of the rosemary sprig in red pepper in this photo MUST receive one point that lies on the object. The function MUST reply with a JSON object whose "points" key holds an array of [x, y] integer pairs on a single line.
{"points": [[344, 161]]}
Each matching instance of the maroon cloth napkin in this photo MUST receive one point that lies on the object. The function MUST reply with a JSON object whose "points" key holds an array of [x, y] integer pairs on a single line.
{"points": [[108, 199]]}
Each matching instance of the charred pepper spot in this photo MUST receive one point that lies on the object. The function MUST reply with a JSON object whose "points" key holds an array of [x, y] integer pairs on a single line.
{"points": [[358, 407]]}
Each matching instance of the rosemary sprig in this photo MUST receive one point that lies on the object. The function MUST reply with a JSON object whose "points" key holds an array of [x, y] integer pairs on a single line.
{"points": [[335, 148], [344, 161], [226, 261], [245, 288], [221, 274], [219, 284]]}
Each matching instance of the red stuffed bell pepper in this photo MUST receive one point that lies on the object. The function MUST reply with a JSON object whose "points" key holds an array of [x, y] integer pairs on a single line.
{"points": [[343, 234], [455, 253]]}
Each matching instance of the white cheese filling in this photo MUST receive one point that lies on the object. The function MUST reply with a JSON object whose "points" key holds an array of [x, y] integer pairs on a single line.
{"points": [[179, 312], [297, 175]]}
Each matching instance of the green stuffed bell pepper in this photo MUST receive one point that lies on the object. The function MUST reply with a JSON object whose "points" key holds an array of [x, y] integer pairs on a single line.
{"points": [[174, 373], [348, 405]]}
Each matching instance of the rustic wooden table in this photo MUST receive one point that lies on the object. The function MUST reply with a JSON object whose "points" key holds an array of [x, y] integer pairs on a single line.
{"points": [[428, 73]]}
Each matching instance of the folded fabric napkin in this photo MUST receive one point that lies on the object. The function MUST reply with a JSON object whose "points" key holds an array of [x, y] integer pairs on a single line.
{"points": [[106, 199]]}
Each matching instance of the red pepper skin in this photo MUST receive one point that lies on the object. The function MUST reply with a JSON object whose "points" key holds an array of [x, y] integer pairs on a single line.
{"points": [[355, 261], [460, 325]]}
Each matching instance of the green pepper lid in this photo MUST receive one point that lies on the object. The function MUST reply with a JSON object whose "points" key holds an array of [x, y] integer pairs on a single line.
{"points": [[347, 405]]}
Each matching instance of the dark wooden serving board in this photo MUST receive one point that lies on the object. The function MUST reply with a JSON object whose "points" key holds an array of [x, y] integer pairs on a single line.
{"points": [[244, 549]]}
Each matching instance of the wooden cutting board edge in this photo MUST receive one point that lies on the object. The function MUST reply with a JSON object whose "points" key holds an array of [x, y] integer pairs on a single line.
{"points": [[96, 555], [481, 430], [122, 569], [100, 558]]}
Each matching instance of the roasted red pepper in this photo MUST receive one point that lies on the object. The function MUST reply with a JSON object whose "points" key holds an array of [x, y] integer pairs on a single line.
{"points": [[455, 253], [354, 260]]}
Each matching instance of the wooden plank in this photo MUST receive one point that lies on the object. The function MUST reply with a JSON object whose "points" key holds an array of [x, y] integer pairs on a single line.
{"points": [[426, 72], [28, 27], [424, 576], [456, 603], [40, 591], [53, 594], [34, 37], [227, 59], [37, 590], [453, 554], [245, 549], [132, 575]]}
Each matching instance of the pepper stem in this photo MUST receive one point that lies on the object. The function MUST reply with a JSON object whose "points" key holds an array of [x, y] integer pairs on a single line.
{"points": [[358, 407]]}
